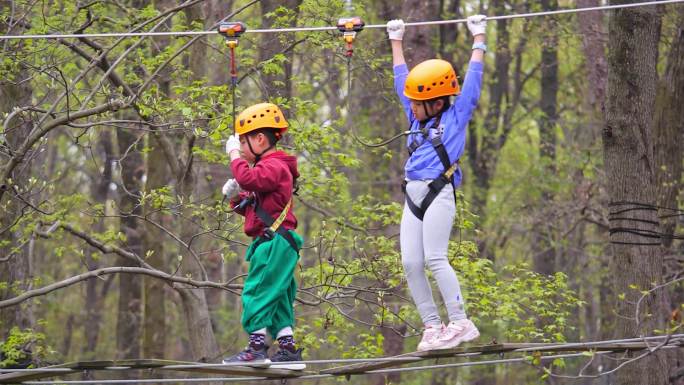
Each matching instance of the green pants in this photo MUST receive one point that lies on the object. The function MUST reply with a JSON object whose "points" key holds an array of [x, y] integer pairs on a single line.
{"points": [[270, 287]]}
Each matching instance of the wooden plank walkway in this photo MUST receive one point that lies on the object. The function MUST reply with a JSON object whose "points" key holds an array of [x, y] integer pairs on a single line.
{"points": [[462, 351], [144, 364], [157, 365]]}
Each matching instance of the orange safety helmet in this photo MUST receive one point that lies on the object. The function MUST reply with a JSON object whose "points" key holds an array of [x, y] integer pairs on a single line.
{"points": [[262, 115], [431, 79]]}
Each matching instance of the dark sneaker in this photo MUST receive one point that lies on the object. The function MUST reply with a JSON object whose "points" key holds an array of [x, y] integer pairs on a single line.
{"points": [[250, 356], [285, 359]]}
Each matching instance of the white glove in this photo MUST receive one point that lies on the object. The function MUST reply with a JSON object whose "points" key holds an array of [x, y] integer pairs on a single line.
{"points": [[477, 24], [395, 29], [231, 189], [233, 143]]}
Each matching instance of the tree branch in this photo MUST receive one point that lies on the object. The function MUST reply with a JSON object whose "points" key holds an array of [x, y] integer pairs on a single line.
{"points": [[44, 129], [115, 270], [105, 249]]}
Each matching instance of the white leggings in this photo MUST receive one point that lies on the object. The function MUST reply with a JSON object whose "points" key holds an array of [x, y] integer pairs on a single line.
{"points": [[425, 243]]}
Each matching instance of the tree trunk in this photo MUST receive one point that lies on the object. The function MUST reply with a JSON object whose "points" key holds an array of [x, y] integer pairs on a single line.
{"points": [[195, 55], [198, 318], [392, 345], [93, 300], [130, 296], [482, 154], [669, 132], [276, 84], [417, 41], [215, 11], [16, 264], [154, 322], [591, 26], [596, 324], [154, 311], [669, 136], [448, 34], [543, 248], [631, 175]]}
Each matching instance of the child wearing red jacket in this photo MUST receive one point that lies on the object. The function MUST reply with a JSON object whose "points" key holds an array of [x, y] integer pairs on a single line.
{"points": [[262, 192]]}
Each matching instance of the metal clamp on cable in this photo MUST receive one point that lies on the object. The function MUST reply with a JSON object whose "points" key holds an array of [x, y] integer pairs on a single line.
{"points": [[232, 30], [349, 27]]}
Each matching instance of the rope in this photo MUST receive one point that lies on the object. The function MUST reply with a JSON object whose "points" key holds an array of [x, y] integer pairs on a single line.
{"points": [[320, 29], [350, 126], [620, 215], [233, 85]]}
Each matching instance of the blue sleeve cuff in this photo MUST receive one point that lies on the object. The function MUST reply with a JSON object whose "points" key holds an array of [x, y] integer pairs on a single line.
{"points": [[401, 69]]}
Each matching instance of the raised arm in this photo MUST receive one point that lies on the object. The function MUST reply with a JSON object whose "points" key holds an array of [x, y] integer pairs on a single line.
{"points": [[477, 24], [395, 31]]}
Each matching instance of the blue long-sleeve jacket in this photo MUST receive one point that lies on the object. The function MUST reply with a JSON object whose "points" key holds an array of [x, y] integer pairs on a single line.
{"points": [[424, 163]]}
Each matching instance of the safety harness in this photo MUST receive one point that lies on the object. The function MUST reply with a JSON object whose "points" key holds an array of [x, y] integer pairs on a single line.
{"points": [[437, 184], [273, 226]]}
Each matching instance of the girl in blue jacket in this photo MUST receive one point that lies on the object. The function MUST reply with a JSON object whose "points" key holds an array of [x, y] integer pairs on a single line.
{"points": [[435, 146]]}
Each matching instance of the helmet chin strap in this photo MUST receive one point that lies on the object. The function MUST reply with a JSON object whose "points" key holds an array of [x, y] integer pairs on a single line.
{"points": [[257, 157], [427, 115]]}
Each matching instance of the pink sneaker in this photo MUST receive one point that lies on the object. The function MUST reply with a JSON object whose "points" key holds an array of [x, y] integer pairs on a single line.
{"points": [[430, 340], [456, 332]]}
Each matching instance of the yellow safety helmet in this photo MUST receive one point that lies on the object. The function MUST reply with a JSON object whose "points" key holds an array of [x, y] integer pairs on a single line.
{"points": [[262, 115], [431, 79]]}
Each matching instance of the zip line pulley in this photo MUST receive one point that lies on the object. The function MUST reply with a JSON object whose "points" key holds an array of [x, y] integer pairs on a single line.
{"points": [[232, 31], [349, 27]]}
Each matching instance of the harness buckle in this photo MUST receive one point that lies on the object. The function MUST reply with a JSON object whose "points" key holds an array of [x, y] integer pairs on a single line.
{"points": [[269, 233]]}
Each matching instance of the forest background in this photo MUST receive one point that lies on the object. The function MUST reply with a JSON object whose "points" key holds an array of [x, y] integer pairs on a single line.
{"points": [[111, 164]]}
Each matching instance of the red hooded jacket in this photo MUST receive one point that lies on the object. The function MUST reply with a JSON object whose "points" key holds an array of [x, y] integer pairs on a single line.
{"points": [[271, 181]]}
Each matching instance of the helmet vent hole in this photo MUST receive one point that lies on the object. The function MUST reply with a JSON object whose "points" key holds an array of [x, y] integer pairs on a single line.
{"points": [[434, 84], [441, 83], [268, 110], [254, 116], [262, 115], [429, 88], [446, 77], [249, 121]]}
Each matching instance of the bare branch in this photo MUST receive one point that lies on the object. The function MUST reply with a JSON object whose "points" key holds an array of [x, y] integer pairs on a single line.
{"points": [[105, 249], [116, 270], [19, 155]]}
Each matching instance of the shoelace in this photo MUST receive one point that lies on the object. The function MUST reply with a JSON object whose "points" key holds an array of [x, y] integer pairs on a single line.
{"points": [[458, 328], [434, 335], [247, 355], [282, 353]]}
